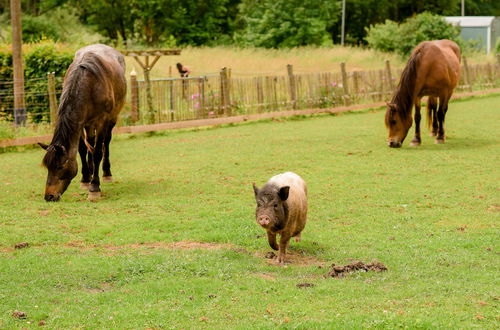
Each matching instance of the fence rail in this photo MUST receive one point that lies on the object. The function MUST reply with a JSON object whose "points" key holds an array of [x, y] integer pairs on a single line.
{"points": [[220, 95]]}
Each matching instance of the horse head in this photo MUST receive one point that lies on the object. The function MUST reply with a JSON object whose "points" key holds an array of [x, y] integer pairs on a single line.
{"points": [[398, 124], [61, 170]]}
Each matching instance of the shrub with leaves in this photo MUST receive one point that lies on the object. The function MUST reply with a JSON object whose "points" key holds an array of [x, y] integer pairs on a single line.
{"points": [[403, 37]]}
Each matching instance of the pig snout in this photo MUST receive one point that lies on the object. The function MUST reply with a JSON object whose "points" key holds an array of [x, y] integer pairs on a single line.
{"points": [[263, 220]]}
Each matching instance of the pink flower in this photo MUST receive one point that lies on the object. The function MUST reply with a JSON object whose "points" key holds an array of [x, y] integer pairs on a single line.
{"points": [[333, 84], [194, 96], [197, 105], [211, 113]]}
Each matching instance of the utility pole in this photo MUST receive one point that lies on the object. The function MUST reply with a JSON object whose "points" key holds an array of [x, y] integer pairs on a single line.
{"points": [[343, 23], [17, 62]]}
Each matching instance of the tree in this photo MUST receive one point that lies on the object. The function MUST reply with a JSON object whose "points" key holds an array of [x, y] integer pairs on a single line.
{"points": [[287, 23]]}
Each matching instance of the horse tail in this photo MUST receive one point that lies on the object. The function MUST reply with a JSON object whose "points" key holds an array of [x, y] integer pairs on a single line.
{"points": [[431, 109]]}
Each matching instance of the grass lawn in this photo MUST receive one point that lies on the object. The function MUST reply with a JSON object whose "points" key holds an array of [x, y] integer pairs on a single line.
{"points": [[174, 244]]}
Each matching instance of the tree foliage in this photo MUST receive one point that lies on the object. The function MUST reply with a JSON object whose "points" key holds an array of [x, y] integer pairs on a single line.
{"points": [[403, 37], [287, 23]]}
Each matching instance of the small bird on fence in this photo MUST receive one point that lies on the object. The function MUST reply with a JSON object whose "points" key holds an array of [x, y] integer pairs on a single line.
{"points": [[184, 71]]}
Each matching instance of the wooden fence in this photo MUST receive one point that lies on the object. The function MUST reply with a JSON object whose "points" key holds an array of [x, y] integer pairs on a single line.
{"points": [[221, 95], [214, 96]]}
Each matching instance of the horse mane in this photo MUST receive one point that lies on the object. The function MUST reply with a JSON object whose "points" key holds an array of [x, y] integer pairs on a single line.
{"points": [[403, 97], [70, 111]]}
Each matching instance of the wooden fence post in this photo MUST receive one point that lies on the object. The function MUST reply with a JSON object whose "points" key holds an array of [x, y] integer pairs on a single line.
{"points": [[224, 91], [51, 86], [498, 65], [292, 85], [134, 97], [260, 95], [344, 82], [201, 97], [467, 74], [355, 78], [388, 73]]}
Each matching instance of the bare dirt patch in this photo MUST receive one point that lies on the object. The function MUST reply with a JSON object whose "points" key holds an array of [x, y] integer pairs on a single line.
{"points": [[292, 258], [21, 245], [265, 276], [182, 245], [19, 315], [305, 285], [342, 271]]}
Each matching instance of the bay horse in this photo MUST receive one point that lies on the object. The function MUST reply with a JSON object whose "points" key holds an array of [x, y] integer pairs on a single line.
{"points": [[433, 69], [93, 94]]}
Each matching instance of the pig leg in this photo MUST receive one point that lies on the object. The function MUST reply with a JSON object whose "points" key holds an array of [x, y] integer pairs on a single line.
{"points": [[283, 245], [271, 237], [297, 237]]}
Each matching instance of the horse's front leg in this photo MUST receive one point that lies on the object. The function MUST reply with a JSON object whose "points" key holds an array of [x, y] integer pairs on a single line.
{"points": [[106, 165], [94, 189], [82, 150], [416, 139]]}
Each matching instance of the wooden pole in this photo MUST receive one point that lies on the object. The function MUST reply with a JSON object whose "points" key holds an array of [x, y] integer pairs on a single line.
{"points": [[293, 90], [224, 82], [134, 97], [17, 62], [466, 74], [260, 95], [388, 74], [344, 82], [355, 78], [51, 88], [171, 90], [498, 65], [201, 97]]}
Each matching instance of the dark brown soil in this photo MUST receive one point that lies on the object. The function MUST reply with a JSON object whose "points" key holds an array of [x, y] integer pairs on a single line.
{"points": [[341, 271], [305, 285], [270, 255], [19, 315], [21, 245]]}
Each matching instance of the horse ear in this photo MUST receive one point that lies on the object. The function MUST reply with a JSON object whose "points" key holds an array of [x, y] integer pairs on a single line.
{"points": [[60, 150], [43, 145]]}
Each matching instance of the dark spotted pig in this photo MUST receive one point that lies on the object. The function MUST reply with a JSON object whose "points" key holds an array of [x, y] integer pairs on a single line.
{"points": [[282, 209]]}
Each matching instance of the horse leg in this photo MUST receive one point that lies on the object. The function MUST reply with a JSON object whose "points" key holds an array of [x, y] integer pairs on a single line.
{"points": [[443, 107], [82, 150], [416, 139], [106, 166], [95, 190], [432, 115]]}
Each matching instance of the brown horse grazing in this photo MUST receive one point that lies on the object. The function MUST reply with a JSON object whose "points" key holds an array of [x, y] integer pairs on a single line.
{"points": [[433, 69], [93, 94]]}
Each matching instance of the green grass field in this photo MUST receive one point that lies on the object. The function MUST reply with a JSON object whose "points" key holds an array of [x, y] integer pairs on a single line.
{"points": [[174, 244]]}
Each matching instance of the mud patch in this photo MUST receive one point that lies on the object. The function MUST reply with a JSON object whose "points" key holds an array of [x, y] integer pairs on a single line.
{"points": [[21, 245], [342, 271]]}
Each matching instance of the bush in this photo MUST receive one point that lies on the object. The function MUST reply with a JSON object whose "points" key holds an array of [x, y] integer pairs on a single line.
{"points": [[38, 28], [39, 59], [403, 37]]}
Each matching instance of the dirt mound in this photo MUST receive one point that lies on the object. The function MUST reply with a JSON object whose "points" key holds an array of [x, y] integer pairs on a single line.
{"points": [[341, 271]]}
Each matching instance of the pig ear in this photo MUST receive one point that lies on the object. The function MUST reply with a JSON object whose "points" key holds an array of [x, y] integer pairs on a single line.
{"points": [[255, 189], [283, 193]]}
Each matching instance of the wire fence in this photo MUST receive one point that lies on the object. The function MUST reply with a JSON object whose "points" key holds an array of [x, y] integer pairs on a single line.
{"points": [[220, 95]]}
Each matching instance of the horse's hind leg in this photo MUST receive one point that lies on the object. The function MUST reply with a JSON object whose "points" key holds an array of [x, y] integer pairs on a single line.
{"points": [[432, 120], [416, 139], [106, 165], [441, 113]]}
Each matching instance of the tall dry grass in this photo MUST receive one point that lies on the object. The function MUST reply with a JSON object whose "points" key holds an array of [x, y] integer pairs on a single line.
{"points": [[257, 61]]}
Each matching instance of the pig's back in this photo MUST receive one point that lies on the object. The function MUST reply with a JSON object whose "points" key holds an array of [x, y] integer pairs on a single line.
{"points": [[297, 199]]}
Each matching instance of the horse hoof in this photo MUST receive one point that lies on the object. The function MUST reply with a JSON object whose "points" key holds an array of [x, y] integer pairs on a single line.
{"points": [[415, 143], [439, 141], [84, 185], [107, 179], [94, 196], [432, 134]]}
